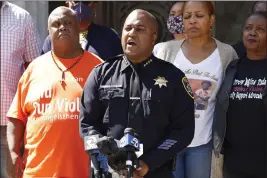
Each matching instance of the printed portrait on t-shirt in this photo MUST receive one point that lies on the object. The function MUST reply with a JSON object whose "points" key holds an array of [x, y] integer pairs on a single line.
{"points": [[203, 90]]}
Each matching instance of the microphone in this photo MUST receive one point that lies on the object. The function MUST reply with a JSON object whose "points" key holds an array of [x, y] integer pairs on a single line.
{"points": [[130, 143], [108, 145], [99, 161], [121, 153], [130, 139], [91, 148]]}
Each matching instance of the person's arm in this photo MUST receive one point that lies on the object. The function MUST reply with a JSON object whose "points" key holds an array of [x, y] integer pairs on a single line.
{"points": [[15, 133], [17, 119], [32, 41], [90, 108], [181, 129]]}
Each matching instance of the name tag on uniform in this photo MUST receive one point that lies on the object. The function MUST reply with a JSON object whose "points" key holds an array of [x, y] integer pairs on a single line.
{"points": [[134, 98], [111, 91]]}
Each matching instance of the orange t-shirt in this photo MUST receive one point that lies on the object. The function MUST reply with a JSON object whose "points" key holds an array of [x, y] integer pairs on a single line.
{"points": [[50, 111]]}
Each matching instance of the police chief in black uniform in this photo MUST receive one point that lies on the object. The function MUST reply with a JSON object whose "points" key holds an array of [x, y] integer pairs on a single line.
{"points": [[140, 91]]}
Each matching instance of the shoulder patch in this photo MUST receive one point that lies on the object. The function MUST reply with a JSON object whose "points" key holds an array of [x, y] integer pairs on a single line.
{"points": [[187, 87]]}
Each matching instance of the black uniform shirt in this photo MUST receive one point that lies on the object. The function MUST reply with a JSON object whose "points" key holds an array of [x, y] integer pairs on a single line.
{"points": [[165, 123]]}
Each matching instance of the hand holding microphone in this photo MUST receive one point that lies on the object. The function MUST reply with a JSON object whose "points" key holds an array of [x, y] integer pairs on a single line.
{"points": [[138, 172]]}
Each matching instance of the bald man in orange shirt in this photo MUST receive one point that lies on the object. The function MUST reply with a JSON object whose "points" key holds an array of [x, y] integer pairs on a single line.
{"points": [[45, 111]]}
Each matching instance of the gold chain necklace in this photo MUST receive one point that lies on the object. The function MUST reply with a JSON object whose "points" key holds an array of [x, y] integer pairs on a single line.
{"points": [[63, 71]]}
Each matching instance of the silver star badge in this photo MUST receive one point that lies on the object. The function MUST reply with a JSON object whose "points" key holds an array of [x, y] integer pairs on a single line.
{"points": [[161, 81]]}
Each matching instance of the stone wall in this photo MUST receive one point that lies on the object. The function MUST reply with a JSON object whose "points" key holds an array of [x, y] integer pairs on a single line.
{"points": [[230, 15], [230, 18]]}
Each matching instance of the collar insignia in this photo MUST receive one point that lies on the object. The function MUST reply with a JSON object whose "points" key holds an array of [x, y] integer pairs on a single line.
{"points": [[148, 62]]}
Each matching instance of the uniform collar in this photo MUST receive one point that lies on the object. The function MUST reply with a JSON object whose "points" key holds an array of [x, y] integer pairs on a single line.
{"points": [[126, 63]]}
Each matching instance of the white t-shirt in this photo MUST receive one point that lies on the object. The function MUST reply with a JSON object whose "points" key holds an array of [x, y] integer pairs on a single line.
{"points": [[205, 80]]}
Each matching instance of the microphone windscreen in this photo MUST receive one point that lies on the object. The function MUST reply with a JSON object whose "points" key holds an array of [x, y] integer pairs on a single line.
{"points": [[107, 145], [129, 131]]}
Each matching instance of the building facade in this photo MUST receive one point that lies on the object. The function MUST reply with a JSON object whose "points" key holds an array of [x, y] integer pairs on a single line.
{"points": [[230, 16]]}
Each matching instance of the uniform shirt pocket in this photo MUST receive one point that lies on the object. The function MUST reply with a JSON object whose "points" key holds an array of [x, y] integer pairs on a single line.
{"points": [[113, 99]]}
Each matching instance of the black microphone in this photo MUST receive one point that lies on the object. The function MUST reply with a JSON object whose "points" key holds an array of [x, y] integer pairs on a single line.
{"points": [[99, 160], [107, 145], [91, 148], [130, 143], [116, 155]]}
